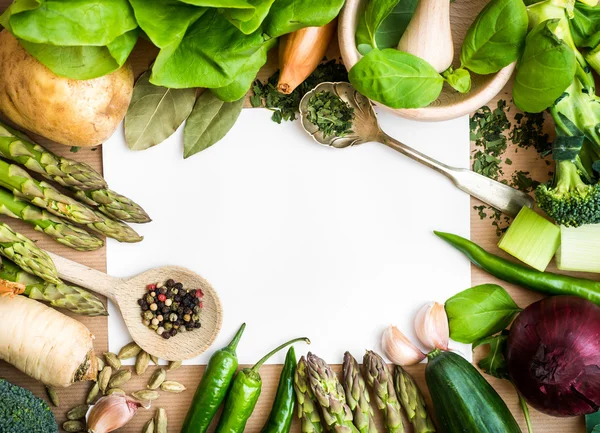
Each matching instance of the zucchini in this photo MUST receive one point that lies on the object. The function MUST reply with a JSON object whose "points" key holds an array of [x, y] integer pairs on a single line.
{"points": [[464, 401]]}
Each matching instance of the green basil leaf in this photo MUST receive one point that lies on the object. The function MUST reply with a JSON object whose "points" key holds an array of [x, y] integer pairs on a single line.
{"points": [[396, 79], [210, 54], [155, 113], [495, 363], [566, 148], [247, 26], [392, 28], [84, 62], [496, 37], [210, 121], [375, 12], [459, 79], [73, 22], [165, 21], [592, 421], [545, 70], [479, 312], [287, 16]]}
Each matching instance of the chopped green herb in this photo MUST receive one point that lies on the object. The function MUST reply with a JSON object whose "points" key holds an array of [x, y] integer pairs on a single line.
{"points": [[75, 149], [508, 161], [523, 182], [528, 131], [499, 220], [488, 132], [332, 115]]}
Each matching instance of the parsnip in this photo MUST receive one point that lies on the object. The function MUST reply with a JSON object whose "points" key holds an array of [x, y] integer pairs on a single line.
{"points": [[45, 344]]}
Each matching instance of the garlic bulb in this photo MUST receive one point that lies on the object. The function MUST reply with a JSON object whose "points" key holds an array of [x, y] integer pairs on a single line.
{"points": [[111, 412], [399, 349], [431, 325]]}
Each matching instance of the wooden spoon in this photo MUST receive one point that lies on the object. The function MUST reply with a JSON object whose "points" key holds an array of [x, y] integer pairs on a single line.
{"points": [[125, 292]]}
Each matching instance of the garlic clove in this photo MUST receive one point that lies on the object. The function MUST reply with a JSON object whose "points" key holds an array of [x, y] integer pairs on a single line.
{"points": [[431, 325], [399, 349], [111, 412]]}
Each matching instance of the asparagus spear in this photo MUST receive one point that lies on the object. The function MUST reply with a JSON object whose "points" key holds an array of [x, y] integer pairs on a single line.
{"points": [[60, 295], [308, 413], [114, 205], [66, 172], [380, 380], [357, 395], [45, 222], [412, 401], [26, 254], [330, 395], [114, 229], [44, 195]]}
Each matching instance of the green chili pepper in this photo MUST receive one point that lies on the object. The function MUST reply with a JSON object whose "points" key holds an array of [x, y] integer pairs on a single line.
{"points": [[244, 394], [544, 282], [213, 387], [280, 418]]}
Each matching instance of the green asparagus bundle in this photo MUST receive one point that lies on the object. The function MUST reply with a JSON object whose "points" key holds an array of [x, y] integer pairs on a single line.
{"points": [[66, 172], [329, 393], [114, 229], [44, 195], [60, 295], [45, 222], [310, 420], [114, 205], [380, 380], [412, 401], [357, 395], [27, 255]]}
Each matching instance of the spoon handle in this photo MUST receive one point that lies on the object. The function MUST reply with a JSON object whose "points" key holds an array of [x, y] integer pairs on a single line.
{"points": [[85, 276], [506, 199]]}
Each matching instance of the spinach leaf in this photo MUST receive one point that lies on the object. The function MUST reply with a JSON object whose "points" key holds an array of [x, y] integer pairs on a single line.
{"points": [[495, 363], [396, 79], [459, 79], [241, 85], [165, 22], [71, 23], [210, 121], [210, 54], [479, 312], [496, 37], [287, 16], [545, 70], [247, 26], [391, 25], [155, 113], [84, 62]]}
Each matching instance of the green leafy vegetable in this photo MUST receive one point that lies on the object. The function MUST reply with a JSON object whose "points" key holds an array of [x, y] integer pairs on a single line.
{"points": [[545, 70], [585, 25], [459, 79], [210, 121], [330, 114], [375, 12], [566, 148], [495, 363], [592, 421], [155, 113], [287, 16], [479, 312], [496, 37], [238, 17], [396, 79]]}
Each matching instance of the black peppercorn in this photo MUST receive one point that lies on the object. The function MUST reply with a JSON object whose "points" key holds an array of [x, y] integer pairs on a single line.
{"points": [[162, 290], [178, 286], [166, 335], [170, 283], [173, 332]]}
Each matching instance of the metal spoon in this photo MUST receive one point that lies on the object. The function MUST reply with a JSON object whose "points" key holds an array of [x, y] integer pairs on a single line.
{"points": [[365, 128]]}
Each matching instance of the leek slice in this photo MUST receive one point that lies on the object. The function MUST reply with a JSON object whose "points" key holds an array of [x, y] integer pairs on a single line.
{"points": [[579, 249]]}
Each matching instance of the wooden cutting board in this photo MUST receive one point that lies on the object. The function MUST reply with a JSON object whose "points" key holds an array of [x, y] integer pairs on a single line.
{"points": [[482, 232]]}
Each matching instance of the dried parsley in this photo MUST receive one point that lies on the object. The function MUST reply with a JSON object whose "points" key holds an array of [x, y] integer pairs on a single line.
{"points": [[330, 114], [523, 182], [284, 106], [487, 131], [528, 131], [499, 220]]}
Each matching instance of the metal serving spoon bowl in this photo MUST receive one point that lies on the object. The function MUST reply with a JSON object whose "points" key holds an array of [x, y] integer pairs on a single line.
{"points": [[365, 128]]}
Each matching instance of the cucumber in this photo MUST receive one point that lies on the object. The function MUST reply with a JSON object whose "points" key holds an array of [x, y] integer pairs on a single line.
{"points": [[464, 401]]}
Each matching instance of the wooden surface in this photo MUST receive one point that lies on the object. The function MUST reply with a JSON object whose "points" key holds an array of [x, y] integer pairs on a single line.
{"points": [[176, 405]]}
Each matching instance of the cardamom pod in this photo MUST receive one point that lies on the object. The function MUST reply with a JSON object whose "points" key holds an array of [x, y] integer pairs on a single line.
{"points": [[154, 359], [141, 363], [112, 360], [120, 378], [173, 365], [145, 394], [78, 412], [52, 396], [172, 386], [92, 394], [101, 363], [149, 426], [129, 351], [104, 378], [157, 378], [161, 420], [73, 426], [115, 391]]}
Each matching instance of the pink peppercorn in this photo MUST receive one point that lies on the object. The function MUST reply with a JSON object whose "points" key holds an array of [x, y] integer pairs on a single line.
{"points": [[199, 293], [151, 287], [162, 298], [201, 305]]}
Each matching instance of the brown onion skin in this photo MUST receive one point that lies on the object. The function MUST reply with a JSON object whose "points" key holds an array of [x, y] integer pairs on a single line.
{"points": [[553, 355]]}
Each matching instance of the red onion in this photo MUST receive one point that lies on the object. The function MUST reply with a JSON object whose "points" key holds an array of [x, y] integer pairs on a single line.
{"points": [[554, 355]]}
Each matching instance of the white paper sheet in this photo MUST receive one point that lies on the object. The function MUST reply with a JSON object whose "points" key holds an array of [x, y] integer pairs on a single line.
{"points": [[299, 239]]}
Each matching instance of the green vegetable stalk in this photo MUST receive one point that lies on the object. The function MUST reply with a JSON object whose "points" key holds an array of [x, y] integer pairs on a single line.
{"points": [[357, 395], [308, 412], [412, 401]]}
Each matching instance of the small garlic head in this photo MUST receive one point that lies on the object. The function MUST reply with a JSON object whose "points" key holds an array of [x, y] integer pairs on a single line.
{"points": [[111, 413], [431, 326], [399, 349]]}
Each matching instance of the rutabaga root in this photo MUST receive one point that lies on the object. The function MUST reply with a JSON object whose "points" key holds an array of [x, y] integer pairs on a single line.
{"points": [[45, 344]]}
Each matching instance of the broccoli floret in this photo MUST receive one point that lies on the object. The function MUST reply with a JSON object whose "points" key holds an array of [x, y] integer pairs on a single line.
{"points": [[23, 412], [567, 199]]}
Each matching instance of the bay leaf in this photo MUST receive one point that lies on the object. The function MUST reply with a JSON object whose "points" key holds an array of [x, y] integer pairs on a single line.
{"points": [[155, 113], [210, 121]]}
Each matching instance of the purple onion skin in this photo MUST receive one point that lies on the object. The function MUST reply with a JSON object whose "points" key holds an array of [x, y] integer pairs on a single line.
{"points": [[553, 355]]}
